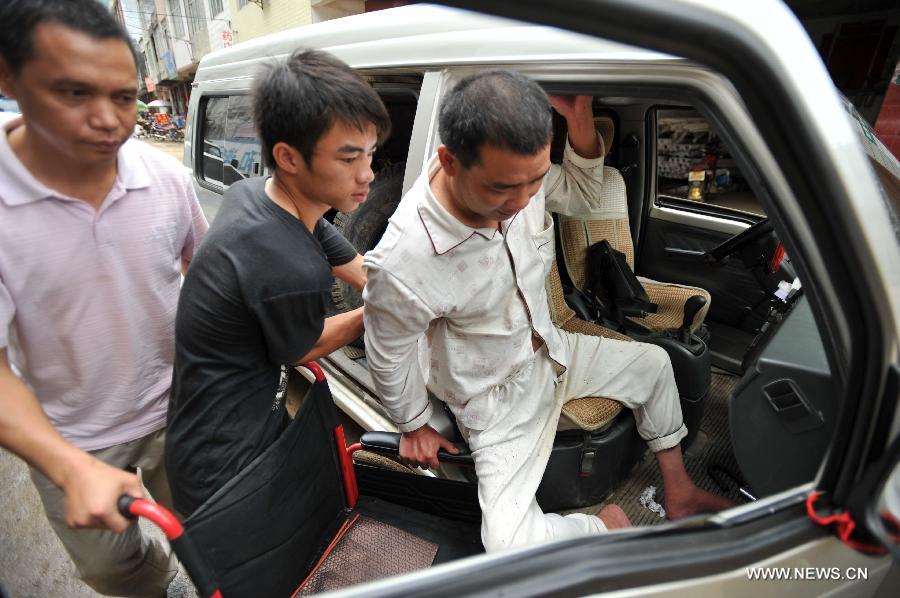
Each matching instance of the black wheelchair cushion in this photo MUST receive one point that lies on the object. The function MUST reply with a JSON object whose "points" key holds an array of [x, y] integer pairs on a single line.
{"points": [[263, 531]]}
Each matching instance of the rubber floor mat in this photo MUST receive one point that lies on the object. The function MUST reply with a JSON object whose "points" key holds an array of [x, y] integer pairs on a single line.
{"points": [[717, 452], [368, 550]]}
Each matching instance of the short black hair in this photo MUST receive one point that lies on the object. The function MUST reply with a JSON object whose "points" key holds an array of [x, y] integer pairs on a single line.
{"points": [[297, 100], [19, 19], [500, 108]]}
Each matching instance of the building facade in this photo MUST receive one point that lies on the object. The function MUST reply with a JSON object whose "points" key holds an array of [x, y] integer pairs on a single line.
{"points": [[172, 36]]}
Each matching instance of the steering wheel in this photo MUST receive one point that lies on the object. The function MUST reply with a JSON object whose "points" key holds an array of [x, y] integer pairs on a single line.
{"points": [[738, 241]]}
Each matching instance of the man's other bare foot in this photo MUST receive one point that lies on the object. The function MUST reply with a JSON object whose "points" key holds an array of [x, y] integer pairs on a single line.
{"points": [[692, 501], [613, 517]]}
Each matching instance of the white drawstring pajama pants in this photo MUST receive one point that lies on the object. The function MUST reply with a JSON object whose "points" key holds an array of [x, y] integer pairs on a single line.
{"points": [[512, 439]]}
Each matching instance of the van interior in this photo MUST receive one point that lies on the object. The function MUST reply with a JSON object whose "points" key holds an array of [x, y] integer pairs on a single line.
{"points": [[756, 385], [752, 372]]}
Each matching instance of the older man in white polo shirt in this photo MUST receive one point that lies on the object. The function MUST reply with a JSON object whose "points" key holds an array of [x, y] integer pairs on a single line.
{"points": [[96, 230]]}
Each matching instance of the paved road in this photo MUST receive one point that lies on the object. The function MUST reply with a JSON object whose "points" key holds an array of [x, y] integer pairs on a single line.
{"points": [[173, 148]]}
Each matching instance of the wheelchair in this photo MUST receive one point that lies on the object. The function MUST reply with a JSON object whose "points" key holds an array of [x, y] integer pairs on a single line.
{"points": [[303, 518]]}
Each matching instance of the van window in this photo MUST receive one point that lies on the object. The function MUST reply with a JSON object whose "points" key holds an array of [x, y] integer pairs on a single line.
{"points": [[213, 135], [694, 164], [231, 150], [242, 149]]}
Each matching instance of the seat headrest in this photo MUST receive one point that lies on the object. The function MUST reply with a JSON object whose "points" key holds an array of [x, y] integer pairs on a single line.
{"points": [[607, 129]]}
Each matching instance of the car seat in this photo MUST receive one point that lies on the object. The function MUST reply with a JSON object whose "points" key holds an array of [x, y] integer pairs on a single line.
{"points": [[672, 327], [585, 413], [611, 223]]}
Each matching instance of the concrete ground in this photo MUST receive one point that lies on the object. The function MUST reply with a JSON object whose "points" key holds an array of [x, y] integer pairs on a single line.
{"points": [[32, 560]]}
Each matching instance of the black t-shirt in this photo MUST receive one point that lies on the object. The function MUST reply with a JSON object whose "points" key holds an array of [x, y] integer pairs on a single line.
{"points": [[252, 303]]}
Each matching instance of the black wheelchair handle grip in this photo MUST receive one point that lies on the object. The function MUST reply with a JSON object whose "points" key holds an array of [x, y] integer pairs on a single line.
{"points": [[124, 504], [388, 443]]}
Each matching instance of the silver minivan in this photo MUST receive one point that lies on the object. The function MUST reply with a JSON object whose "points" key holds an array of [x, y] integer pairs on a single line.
{"points": [[747, 175]]}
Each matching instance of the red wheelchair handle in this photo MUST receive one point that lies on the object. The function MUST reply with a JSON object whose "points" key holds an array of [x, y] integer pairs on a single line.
{"points": [[190, 557], [132, 508], [316, 369]]}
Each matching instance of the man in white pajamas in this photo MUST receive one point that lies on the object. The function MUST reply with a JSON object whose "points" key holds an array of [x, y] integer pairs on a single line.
{"points": [[456, 303]]}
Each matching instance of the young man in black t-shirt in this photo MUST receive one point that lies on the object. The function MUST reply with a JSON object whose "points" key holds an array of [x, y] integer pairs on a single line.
{"points": [[253, 302]]}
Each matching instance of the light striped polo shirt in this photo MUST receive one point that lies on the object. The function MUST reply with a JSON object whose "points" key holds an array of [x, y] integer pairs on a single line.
{"points": [[88, 297]]}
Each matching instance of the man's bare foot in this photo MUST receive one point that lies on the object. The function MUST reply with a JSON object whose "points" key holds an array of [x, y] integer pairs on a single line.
{"points": [[613, 517], [691, 501]]}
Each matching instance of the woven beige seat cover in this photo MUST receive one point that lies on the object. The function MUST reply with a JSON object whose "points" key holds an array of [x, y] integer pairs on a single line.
{"points": [[588, 413], [611, 223]]}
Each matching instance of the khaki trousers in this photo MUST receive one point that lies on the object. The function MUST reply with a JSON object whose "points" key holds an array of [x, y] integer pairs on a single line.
{"points": [[126, 564]]}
